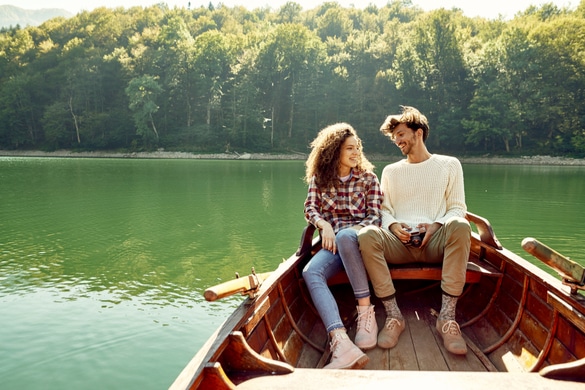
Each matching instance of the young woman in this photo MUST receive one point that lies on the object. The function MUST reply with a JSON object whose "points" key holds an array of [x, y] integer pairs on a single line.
{"points": [[343, 196]]}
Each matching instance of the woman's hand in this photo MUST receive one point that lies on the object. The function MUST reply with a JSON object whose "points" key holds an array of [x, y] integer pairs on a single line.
{"points": [[328, 237]]}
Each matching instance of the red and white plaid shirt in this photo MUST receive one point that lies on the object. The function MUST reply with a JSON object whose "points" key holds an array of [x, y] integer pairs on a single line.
{"points": [[356, 201]]}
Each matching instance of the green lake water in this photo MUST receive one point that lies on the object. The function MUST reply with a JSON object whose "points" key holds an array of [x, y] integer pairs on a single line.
{"points": [[103, 262]]}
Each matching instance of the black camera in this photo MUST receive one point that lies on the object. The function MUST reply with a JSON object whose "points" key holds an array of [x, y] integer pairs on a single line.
{"points": [[416, 238]]}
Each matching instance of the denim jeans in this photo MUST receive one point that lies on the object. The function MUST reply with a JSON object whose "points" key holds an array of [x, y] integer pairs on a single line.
{"points": [[324, 265]]}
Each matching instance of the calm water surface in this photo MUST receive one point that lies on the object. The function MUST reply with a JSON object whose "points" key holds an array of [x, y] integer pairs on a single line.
{"points": [[103, 262]]}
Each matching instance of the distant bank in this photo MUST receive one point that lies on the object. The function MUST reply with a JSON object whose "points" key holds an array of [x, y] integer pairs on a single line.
{"points": [[524, 160]]}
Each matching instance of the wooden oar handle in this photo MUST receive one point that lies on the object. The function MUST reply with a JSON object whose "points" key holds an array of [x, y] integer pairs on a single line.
{"points": [[484, 229], [240, 285], [566, 267]]}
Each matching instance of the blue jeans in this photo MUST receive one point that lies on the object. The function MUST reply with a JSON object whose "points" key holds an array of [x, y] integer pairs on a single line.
{"points": [[324, 265]]}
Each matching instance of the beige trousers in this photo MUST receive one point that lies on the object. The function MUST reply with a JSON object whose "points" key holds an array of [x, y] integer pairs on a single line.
{"points": [[449, 245]]}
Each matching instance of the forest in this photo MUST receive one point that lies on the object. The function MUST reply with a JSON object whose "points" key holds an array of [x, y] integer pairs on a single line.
{"points": [[228, 79]]}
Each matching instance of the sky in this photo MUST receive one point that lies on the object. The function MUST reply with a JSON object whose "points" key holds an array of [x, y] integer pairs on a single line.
{"points": [[485, 8]]}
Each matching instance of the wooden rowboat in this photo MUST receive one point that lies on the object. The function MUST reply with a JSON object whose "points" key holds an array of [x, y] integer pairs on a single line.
{"points": [[524, 327]]}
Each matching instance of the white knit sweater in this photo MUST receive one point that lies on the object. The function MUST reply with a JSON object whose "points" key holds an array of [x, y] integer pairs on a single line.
{"points": [[426, 192]]}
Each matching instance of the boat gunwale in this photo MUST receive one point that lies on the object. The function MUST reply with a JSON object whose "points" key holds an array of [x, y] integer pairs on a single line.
{"points": [[217, 342]]}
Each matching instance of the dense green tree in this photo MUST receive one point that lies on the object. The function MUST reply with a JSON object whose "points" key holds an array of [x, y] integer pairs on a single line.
{"points": [[558, 69], [216, 78], [334, 23], [17, 113], [290, 13], [489, 108], [285, 62], [142, 94], [442, 75], [211, 67]]}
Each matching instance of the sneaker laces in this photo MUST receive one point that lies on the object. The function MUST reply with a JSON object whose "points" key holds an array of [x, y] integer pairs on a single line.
{"points": [[451, 327], [364, 320]]}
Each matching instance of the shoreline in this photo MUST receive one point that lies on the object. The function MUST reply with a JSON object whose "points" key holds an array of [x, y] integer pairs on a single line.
{"points": [[161, 154]]}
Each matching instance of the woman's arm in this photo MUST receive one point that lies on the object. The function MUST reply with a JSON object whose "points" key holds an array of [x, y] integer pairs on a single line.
{"points": [[374, 199]]}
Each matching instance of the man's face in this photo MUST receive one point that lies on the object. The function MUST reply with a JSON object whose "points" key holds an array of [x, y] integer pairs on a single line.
{"points": [[405, 138]]}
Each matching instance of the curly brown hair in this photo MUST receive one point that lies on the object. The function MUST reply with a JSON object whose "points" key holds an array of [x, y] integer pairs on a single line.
{"points": [[323, 161]]}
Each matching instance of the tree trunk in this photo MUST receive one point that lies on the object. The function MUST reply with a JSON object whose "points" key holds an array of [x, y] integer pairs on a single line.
{"points": [[507, 143], [188, 112], [292, 109], [153, 126], [272, 128], [74, 119]]}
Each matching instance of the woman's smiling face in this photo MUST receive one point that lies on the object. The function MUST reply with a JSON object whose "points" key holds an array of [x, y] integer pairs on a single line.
{"points": [[349, 157]]}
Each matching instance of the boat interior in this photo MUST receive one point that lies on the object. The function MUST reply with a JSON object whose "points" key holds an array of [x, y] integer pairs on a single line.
{"points": [[517, 320]]}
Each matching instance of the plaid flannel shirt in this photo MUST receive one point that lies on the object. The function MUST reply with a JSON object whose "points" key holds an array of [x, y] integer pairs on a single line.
{"points": [[356, 201]]}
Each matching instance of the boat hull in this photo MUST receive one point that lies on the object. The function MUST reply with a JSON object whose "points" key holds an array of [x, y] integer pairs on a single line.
{"points": [[516, 318]]}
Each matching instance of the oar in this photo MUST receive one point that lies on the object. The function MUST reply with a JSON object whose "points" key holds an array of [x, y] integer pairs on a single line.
{"points": [[573, 274], [247, 285]]}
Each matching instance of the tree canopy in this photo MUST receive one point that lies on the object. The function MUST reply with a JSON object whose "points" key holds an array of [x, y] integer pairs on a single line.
{"points": [[215, 78]]}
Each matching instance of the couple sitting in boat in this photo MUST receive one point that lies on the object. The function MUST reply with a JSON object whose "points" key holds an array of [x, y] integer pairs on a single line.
{"points": [[415, 214]]}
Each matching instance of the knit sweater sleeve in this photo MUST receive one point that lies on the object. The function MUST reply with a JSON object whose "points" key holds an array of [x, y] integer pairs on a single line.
{"points": [[387, 211], [455, 192]]}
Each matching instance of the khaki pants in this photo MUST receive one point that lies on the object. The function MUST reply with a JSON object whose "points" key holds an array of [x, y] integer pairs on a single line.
{"points": [[449, 245]]}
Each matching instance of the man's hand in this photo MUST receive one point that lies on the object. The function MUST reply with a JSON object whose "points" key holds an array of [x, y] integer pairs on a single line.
{"points": [[429, 229], [401, 231]]}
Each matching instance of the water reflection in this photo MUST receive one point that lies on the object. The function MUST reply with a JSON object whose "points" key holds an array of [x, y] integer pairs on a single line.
{"points": [[530, 201], [156, 229]]}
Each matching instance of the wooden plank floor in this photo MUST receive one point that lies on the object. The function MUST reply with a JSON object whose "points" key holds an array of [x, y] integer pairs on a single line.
{"points": [[420, 346]]}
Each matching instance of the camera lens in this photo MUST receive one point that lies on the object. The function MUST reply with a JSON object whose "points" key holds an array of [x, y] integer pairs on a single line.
{"points": [[415, 240]]}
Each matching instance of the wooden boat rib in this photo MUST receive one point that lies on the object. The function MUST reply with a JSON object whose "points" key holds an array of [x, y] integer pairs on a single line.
{"points": [[523, 327]]}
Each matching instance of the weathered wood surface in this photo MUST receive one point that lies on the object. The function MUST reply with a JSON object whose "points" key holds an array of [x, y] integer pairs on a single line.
{"points": [[573, 274], [248, 284], [307, 379], [516, 318]]}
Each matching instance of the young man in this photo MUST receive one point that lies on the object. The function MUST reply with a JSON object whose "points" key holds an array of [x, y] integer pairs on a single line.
{"points": [[424, 193]]}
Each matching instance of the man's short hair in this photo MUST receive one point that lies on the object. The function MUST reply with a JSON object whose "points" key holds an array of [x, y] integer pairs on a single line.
{"points": [[411, 117]]}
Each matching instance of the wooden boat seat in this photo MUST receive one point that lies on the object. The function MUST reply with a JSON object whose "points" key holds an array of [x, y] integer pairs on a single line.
{"points": [[422, 271]]}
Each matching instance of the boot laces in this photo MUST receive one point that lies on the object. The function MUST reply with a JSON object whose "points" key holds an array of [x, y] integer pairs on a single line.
{"points": [[364, 320], [335, 345]]}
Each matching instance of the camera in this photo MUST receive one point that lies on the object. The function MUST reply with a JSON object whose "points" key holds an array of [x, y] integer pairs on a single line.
{"points": [[416, 238]]}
